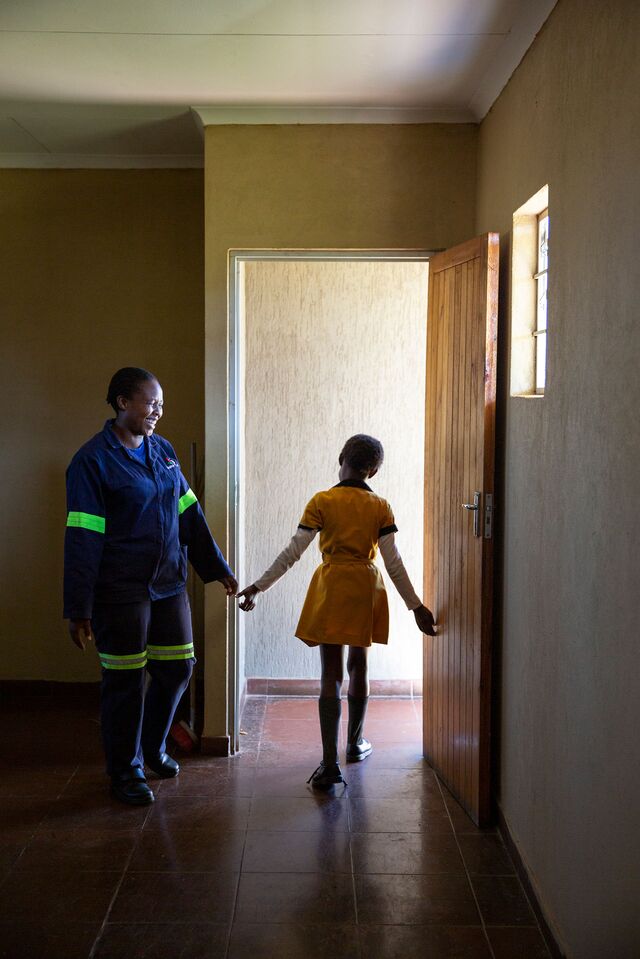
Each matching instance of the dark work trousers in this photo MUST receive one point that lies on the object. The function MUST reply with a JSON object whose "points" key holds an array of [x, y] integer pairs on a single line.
{"points": [[151, 638]]}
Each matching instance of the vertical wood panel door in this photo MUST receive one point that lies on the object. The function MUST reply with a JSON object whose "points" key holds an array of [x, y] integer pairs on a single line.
{"points": [[458, 517]]}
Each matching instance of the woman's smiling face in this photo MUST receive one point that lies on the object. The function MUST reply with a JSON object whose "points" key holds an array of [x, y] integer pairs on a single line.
{"points": [[141, 413]]}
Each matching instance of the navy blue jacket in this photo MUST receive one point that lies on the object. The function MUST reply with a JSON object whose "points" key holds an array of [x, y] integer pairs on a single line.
{"points": [[130, 526]]}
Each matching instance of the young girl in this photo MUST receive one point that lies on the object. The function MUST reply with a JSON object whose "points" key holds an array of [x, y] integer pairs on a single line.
{"points": [[346, 603]]}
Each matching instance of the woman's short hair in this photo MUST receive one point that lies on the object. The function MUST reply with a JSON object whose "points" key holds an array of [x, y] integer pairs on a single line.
{"points": [[362, 453], [125, 383]]}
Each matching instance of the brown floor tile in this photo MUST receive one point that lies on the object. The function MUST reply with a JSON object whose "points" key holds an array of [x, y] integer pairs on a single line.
{"points": [[175, 897], [423, 942], [398, 815], [283, 781], [33, 939], [408, 900], [309, 941], [326, 851], [70, 894], [462, 822], [517, 943], [403, 755], [371, 782], [21, 819], [295, 898], [9, 853], [90, 849], [292, 709], [197, 940], [485, 855], [301, 731], [215, 814], [291, 754], [43, 779], [248, 754], [398, 710], [177, 849], [312, 814], [392, 730], [210, 781], [88, 781], [502, 901], [98, 811], [406, 853]]}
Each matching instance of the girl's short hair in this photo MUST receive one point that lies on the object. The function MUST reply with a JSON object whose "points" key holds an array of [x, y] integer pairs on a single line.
{"points": [[125, 383], [362, 453]]}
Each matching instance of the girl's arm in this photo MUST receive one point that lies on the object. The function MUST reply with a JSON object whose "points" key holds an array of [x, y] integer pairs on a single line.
{"points": [[283, 561], [400, 579]]}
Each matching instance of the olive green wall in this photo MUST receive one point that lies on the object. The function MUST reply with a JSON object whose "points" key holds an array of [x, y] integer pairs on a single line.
{"points": [[99, 269], [570, 708], [314, 187]]}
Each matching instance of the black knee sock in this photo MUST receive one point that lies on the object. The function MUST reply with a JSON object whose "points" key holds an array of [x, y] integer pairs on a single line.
{"points": [[357, 712], [329, 709]]}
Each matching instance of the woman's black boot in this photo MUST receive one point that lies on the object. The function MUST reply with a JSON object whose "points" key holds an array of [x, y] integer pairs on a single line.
{"points": [[358, 748], [328, 772]]}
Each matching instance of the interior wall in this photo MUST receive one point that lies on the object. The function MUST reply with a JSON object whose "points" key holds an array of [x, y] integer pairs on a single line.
{"points": [[313, 187], [331, 349], [570, 705], [99, 269]]}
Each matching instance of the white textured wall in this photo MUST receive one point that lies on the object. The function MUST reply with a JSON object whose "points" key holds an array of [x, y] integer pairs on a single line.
{"points": [[331, 349]]}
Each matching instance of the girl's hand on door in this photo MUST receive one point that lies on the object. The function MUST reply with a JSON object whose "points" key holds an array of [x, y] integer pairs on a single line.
{"points": [[249, 592], [425, 621]]}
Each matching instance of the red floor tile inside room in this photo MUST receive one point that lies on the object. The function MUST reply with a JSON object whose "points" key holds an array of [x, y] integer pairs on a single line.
{"points": [[239, 857]]}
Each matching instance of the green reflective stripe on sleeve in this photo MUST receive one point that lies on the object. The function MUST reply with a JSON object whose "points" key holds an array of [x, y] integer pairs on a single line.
{"points": [[170, 652], [186, 501], [131, 661], [87, 521]]}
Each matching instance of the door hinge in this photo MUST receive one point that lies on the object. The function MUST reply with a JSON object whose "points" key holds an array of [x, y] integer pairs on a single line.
{"points": [[488, 515]]}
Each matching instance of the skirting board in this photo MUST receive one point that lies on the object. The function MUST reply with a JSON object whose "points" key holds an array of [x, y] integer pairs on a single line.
{"points": [[215, 745], [521, 869], [256, 686]]}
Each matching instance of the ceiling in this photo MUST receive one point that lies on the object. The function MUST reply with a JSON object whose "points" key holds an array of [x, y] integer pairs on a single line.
{"points": [[131, 82]]}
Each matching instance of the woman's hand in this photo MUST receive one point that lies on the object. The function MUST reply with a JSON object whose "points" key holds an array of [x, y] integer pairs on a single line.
{"points": [[249, 592], [230, 584], [424, 620], [80, 632]]}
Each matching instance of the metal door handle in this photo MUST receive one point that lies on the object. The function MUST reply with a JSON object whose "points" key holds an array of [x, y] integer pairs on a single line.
{"points": [[475, 509]]}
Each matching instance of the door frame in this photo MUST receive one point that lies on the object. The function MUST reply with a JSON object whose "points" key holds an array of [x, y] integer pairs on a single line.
{"points": [[235, 351]]}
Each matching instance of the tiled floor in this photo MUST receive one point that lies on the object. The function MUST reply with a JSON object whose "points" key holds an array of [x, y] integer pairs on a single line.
{"points": [[239, 858]]}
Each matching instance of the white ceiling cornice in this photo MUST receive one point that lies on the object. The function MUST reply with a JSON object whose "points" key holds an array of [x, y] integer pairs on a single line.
{"points": [[283, 115], [66, 161], [513, 49]]}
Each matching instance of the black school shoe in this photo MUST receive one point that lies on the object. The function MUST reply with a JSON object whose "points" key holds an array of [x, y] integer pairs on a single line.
{"points": [[163, 766], [325, 777], [131, 788], [356, 752]]}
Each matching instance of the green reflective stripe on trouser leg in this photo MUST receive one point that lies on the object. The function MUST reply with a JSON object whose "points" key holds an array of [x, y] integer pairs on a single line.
{"points": [[86, 521], [166, 653], [131, 661], [186, 500]]}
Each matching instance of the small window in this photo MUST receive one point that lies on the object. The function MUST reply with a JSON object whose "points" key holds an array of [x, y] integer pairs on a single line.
{"points": [[529, 287], [540, 332]]}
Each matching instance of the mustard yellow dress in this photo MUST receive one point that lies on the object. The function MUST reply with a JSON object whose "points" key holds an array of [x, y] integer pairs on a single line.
{"points": [[346, 602]]}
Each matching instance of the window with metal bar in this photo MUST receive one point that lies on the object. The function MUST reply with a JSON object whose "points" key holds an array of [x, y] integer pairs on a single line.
{"points": [[541, 278]]}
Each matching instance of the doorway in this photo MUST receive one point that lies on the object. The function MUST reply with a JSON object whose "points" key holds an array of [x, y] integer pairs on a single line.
{"points": [[323, 344]]}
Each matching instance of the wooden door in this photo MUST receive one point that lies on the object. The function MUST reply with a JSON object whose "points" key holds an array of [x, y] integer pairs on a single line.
{"points": [[459, 466]]}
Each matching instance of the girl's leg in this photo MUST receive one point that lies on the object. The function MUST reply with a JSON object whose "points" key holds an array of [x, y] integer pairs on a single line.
{"points": [[358, 747], [329, 703]]}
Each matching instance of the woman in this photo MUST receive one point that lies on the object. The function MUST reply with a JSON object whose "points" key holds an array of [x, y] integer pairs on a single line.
{"points": [[132, 523]]}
